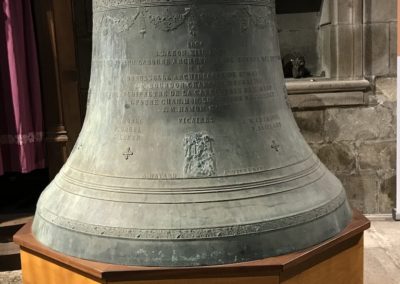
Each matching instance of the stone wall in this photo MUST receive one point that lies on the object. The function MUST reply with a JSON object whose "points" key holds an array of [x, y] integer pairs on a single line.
{"points": [[380, 37], [358, 144]]}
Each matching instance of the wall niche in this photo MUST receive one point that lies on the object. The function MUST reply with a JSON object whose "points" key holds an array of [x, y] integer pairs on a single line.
{"points": [[298, 28]]}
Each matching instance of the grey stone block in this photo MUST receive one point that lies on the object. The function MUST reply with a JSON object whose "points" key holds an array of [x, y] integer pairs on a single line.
{"points": [[347, 51], [346, 11], [386, 88], [350, 124], [358, 56], [306, 86], [379, 10], [387, 194], [338, 157], [315, 147], [334, 52], [358, 13], [325, 13], [377, 156], [376, 49], [326, 100], [311, 124], [393, 48], [362, 191], [394, 113], [298, 21], [324, 50]]}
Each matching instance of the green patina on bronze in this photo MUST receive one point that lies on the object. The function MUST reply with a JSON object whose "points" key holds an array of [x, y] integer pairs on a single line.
{"points": [[189, 154]]}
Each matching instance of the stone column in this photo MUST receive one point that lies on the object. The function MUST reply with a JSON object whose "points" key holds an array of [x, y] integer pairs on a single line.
{"points": [[379, 37], [346, 38]]}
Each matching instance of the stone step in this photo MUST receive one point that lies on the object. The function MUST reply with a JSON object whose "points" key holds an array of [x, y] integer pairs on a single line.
{"points": [[15, 219], [10, 224], [9, 251], [9, 257]]}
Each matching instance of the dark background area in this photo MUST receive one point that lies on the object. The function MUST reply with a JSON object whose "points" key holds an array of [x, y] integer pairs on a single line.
{"points": [[20, 192], [290, 6]]}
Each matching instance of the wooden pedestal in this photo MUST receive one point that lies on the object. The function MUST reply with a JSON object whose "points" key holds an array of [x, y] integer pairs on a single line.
{"points": [[336, 261]]}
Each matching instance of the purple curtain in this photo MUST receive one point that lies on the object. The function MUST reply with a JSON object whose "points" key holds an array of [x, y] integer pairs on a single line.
{"points": [[21, 120]]}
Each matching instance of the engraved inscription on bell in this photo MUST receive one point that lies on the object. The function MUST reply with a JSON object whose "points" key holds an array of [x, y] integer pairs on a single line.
{"points": [[192, 156]]}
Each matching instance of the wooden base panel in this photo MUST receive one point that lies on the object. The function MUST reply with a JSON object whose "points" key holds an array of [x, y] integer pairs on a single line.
{"points": [[37, 269], [346, 267], [336, 261]]}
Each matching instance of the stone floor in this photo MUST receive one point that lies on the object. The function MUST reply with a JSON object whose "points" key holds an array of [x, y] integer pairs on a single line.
{"points": [[13, 277], [382, 255]]}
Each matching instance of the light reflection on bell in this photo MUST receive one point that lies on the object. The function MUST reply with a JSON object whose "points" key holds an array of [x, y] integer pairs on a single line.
{"points": [[189, 154]]}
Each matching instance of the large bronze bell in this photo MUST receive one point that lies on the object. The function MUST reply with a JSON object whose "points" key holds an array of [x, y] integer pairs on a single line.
{"points": [[189, 154]]}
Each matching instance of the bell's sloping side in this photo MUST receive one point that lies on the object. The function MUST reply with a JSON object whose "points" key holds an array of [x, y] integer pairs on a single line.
{"points": [[189, 154]]}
